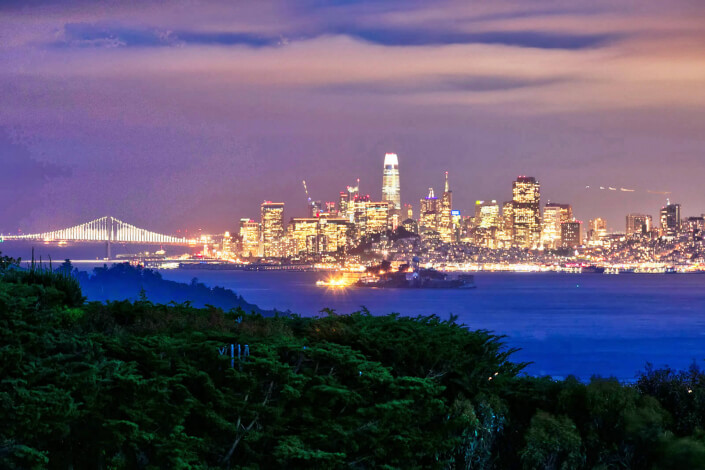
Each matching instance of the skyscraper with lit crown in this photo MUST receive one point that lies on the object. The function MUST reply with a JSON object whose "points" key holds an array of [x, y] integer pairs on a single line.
{"points": [[391, 189]]}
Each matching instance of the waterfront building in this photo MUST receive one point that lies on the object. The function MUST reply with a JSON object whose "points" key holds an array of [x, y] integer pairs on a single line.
{"points": [[272, 220], [670, 219], [249, 237], [554, 215], [428, 213], [445, 216], [391, 189], [638, 224], [571, 234], [526, 198]]}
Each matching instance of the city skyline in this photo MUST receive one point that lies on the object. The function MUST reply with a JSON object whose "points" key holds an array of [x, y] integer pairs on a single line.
{"points": [[130, 110]]}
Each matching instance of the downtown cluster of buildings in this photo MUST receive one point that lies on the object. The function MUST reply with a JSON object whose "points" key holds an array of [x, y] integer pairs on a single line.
{"points": [[355, 224]]}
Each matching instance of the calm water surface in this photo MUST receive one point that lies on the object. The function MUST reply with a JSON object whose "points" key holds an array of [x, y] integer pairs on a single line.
{"points": [[587, 324]]}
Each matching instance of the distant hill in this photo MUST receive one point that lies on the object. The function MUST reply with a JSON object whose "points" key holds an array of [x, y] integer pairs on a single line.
{"points": [[125, 282]]}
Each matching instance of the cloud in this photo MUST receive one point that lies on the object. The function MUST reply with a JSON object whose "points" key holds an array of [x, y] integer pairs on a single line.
{"points": [[204, 101]]}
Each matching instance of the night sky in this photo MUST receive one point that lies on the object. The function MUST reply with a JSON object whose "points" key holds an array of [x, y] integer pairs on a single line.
{"points": [[189, 114]]}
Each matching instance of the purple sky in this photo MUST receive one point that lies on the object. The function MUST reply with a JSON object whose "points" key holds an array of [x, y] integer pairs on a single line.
{"points": [[188, 114]]}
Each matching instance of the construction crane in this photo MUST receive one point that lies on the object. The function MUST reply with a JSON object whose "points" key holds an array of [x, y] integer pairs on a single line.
{"points": [[306, 191]]}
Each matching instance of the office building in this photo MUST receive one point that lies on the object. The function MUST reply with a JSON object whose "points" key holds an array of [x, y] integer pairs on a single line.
{"points": [[376, 217], [272, 223], [638, 224], [487, 214], [428, 213], [249, 237], [506, 232], [670, 219], [391, 190], [571, 234], [526, 198], [303, 234], [554, 215], [597, 229]]}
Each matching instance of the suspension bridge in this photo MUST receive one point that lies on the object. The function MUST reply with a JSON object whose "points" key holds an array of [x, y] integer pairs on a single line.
{"points": [[105, 229]]}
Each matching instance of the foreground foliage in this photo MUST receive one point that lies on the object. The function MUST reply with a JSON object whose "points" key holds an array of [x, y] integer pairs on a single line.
{"points": [[139, 385]]}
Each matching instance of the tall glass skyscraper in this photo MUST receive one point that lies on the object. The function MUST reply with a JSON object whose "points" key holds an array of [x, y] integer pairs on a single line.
{"points": [[391, 191], [526, 193]]}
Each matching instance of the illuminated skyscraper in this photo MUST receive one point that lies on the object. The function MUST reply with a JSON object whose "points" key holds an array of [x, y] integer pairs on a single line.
{"points": [[638, 224], [409, 211], [249, 237], [376, 217], [487, 214], [303, 232], [554, 215], [670, 219], [428, 213], [272, 214], [358, 208], [445, 218], [391, 190], [526, 192]]}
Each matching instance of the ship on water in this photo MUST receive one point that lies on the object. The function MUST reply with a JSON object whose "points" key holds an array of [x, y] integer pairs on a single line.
{"points": [[411, 276]]}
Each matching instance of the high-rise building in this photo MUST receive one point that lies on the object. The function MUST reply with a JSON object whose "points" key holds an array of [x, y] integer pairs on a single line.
{"points": [[391, 190], [487, 214], [571, 236], [597, 229], [249, 237], [670, 219], [428, 213], [343, 203], [638, 224], [272, 220], [303, 232], [318, 235], [358, 205], [554, 215], [526, 192], [376, 217], [334, 234], [445, 216], [353, 192], [506, 233], [409, 211]]}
